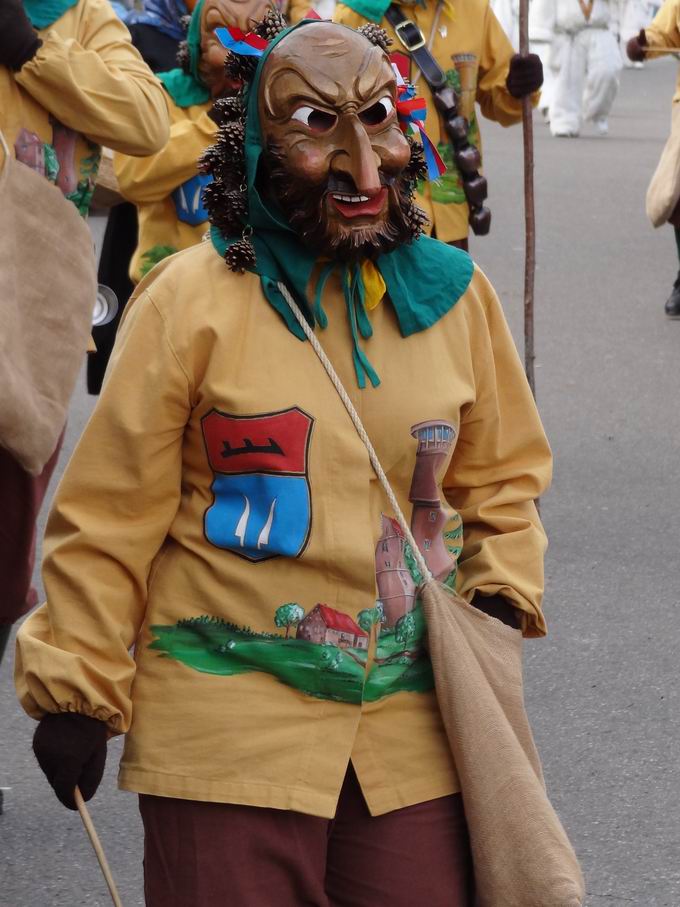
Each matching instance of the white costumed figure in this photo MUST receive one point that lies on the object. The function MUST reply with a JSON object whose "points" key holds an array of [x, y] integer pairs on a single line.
{"points": [[584, 57]]}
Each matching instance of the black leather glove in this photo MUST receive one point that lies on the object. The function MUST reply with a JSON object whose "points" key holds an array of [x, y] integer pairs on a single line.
{"points": [[19, 42], [635, 48], [499, 607], [71, 750], [525, 75]]}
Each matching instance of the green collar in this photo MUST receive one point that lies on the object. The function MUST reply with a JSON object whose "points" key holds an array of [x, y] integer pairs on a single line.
{"points": [[424, 280], [44, 13], [373, 10], [187, 89]]}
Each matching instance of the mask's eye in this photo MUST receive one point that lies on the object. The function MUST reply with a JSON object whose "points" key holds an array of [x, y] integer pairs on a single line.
{"points": [[377, 113], [317, 120]]}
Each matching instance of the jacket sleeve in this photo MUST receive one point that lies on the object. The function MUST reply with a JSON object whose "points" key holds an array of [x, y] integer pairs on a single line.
{"points": [[97, 84], [664, 31], [151, 179], [501, 464], [493, 97], [110, 516]]}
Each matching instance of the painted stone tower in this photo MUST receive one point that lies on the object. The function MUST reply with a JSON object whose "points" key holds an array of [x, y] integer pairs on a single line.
{"points": [[396, 588], [435, 440]]}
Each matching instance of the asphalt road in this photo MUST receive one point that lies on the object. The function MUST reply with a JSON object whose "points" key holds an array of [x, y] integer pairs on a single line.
{"points": [[603, 688]]}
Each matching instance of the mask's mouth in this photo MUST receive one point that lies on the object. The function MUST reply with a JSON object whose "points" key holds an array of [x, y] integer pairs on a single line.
{"points": [[359, 205], [344, 196]]}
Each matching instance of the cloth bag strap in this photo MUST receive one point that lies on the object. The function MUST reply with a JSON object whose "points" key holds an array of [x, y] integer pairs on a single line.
{"points": [[361, 431], [6, 162]]}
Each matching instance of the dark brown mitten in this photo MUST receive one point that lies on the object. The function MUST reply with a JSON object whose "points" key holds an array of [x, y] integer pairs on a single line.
{"points": [[19, 42], [499, 607], [525, 75], [635, 48], [71, 750]]}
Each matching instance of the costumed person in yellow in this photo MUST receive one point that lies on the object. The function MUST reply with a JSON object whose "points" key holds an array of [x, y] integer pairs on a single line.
{"points": [[663, 195], [70, 81], [167, 187], [459, 45], [220, 514]]}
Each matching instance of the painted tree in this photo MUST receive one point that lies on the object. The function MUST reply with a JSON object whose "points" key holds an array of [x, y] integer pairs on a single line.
{"points": [[288, 615], [405, 629], [366, 619]]}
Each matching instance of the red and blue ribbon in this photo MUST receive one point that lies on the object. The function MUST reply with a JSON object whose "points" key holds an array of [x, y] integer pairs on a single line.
{"points": [[238, 42], [411, 113]]}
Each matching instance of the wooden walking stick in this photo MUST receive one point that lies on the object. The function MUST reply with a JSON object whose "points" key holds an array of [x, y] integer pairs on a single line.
{"points": [[96, 844], [529, 213]]}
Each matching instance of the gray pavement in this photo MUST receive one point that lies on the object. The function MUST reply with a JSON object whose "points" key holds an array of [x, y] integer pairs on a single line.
{"points": [[603, 688]]}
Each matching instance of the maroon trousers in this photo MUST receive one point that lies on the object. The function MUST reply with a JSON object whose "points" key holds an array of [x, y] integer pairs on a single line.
{"points": [[223, 855], [21, 496]]}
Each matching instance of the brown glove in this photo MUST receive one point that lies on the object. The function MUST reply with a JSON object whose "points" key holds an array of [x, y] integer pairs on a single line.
{"points": [[71, 750], [525, 75], [635, 48], [499, 607], [19, 42]]}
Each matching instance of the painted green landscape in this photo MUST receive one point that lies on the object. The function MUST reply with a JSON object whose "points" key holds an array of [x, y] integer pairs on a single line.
{"points": [[213, 646]]}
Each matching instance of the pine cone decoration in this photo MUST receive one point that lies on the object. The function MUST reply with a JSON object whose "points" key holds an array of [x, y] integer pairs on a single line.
{"points": [[228, 109], [210, 160], [241, 68], [232, 136], [237, 203], [272, 23], [376, 35], [218, 161], [416, 169], [183, 58], [416, 219], [223, 219], [240, 256]]}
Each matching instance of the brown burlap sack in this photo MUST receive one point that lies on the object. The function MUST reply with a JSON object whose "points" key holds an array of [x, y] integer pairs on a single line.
{"points": [[522, 856], [663, 193], [48, 287]]}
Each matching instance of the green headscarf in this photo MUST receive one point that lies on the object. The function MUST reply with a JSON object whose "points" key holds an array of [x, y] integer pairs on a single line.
{"points": [[187, 89], [424, 280], [44, 13]]}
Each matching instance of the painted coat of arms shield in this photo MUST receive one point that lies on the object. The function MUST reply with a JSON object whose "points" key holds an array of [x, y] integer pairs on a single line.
{"points": [[262, 499]]}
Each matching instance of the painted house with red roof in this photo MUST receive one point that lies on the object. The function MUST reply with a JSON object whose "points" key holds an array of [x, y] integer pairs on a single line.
{"points": [[328, 627]]}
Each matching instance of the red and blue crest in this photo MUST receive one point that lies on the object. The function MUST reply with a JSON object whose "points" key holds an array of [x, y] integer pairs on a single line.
{"points": [[262, 504]]}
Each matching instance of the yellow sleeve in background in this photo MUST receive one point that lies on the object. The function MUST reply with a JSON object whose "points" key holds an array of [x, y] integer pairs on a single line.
{"points": [[151, 179], [501, 464], [493, 97], [99, 83], [111, 513], [664, 30]]}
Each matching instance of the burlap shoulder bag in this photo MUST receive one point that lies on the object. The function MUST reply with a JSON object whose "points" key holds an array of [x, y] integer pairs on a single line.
{"points": [[663, 193], [522, 856], [48, 287]]}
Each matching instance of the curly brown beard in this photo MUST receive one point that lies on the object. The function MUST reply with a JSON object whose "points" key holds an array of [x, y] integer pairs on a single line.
{"points": [[305, 206]]}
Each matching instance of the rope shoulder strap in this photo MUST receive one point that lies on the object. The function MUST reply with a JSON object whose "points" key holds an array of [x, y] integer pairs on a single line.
{"points": [[361, 431]]}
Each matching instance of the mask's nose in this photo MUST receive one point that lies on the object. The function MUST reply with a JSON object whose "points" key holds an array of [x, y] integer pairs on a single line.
{"points": [[357, 158]]}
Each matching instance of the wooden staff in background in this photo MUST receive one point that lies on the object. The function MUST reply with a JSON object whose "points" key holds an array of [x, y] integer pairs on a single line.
{"points": [[529, 212]]}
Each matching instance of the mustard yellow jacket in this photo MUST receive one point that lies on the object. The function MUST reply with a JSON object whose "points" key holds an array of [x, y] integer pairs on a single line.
{"points": [[87, 86], [167, 188], [471, 47], [665, 32], [225, 581]]}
